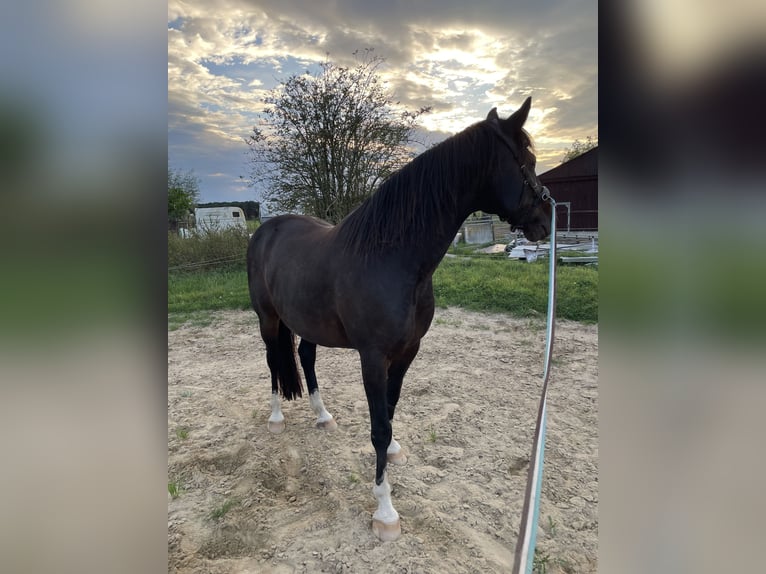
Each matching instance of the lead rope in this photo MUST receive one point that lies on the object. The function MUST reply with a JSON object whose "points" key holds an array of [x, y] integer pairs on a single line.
{"points": [[525, 546]]}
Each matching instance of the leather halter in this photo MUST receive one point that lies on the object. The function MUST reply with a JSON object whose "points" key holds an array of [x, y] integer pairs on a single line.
{"points": [[532, 182]]}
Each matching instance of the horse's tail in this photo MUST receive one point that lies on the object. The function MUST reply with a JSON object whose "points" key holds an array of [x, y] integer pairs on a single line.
{"points": [[287, 370]]}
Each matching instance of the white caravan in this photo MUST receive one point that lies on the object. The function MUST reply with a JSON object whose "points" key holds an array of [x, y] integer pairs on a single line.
{"points": [[219, 218]]}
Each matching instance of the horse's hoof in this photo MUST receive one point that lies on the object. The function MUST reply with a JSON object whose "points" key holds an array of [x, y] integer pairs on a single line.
{"points": [[396, 457], [276, 427], [328, 425], [386, 531]]}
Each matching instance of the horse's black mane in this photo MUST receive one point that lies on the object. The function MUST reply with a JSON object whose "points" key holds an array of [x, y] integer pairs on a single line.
{"points": [[422, 197]]}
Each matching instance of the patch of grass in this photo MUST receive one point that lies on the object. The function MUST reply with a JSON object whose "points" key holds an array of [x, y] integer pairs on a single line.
{"points": [[220, 511], [540, 562], [191, 318], [182, 433], [354, 478], [468, 249], [206, 291], [174, 488], [174, 322], [432, 436], [516, 287], [551, 527], [186, 393]]}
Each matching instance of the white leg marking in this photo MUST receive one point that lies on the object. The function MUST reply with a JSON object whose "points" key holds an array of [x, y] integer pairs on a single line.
{"points": [[394, 452], [324, 419], [277, 419], [394, 446], [385, 520]]}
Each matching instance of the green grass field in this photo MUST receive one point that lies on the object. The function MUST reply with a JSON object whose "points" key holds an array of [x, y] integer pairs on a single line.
{"points": [[207, 291], [489, 284], [519, 288]]}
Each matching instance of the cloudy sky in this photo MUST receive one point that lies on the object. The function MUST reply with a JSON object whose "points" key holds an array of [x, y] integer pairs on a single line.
{"points": [[460, 57]]}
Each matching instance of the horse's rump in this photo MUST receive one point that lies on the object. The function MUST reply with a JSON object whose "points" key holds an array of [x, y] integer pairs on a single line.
{"points": [[290, 264]]}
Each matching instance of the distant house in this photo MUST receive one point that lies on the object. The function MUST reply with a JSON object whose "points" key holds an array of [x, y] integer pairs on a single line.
{"points": [[574, 186]]}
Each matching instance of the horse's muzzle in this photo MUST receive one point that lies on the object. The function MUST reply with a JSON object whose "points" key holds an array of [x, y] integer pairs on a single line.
{"points": [[537, 231]]}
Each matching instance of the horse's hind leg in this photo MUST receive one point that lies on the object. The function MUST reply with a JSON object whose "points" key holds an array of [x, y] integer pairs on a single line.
{"points": [[269, 333], [308, 353]]}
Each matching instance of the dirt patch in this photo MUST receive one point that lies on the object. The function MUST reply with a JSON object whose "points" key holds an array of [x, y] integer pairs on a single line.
{"points": [[302, 501]]}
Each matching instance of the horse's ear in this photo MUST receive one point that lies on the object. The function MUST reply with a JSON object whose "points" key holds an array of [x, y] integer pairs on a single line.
{"points": [[492, 115], [519, 117]]}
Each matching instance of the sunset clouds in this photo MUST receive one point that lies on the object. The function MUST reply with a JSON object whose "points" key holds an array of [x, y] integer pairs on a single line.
{"points": [[462, 60]]}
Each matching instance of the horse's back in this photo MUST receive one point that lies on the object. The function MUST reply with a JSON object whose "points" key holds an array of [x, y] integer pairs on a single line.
{"points": [[285, 235]]}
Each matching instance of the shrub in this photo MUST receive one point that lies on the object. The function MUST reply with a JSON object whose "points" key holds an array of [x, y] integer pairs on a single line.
{"points": [[211, 250]]}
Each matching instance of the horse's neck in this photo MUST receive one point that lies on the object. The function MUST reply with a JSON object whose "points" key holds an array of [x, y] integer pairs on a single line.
{"points": [[418, 214], [432, 247]]}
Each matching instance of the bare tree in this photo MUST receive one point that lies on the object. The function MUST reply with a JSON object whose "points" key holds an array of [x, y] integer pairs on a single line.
{"points": [[328, 140]]}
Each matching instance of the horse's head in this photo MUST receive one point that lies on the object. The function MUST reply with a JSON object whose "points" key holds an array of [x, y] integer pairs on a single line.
{"points": [[514, 192]]}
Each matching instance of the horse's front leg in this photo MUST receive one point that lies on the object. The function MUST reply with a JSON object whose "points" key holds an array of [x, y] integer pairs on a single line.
{"points": [[394, 452], [385, 520], [396, 372], [307, 352]]}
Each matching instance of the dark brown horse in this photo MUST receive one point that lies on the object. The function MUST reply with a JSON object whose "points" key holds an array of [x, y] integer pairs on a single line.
{"points": [[366, 282]]}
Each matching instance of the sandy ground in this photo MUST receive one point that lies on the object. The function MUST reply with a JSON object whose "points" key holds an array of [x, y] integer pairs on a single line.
{"points": [[302, 501]]}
